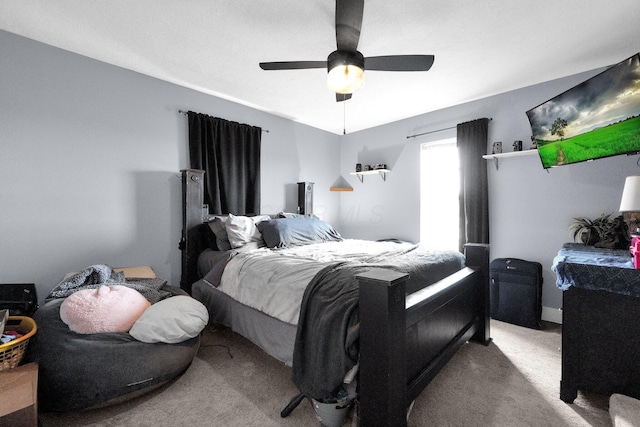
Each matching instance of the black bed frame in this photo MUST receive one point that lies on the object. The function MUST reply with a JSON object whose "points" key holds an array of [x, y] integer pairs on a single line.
{"points": [[404, 339]]}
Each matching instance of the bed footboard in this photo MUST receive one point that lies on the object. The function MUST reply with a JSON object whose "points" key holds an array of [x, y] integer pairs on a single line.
{"points": [[406, 340]]}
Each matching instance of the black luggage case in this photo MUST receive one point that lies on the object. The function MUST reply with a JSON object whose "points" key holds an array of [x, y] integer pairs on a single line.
{"points": [[516, 291]]}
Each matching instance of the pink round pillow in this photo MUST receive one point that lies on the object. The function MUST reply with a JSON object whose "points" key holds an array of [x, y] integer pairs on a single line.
{"points": [[112, 308]]}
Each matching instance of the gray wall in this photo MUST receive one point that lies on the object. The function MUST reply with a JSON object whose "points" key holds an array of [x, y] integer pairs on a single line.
{"points": [[530, 208], [91, 153], [90, 160]]}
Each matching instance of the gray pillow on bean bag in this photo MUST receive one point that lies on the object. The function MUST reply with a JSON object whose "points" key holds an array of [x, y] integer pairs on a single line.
{"points": [[171, 321]]}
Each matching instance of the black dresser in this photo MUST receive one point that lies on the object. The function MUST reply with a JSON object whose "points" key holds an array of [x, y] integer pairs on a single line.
{"points": [[601, 321]]}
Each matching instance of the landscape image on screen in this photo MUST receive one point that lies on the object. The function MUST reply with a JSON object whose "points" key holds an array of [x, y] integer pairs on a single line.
{"points": [[597, 118]]}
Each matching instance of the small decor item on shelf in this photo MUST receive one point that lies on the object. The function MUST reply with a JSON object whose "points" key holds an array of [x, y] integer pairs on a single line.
{"points": [[367, 167], [497, 147], [517, 145], [380, 166], [534, 143], [358, 167]]}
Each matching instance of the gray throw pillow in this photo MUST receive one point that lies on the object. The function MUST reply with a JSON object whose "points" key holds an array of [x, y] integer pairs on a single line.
{"points": [[172, 320], [220, 230]]}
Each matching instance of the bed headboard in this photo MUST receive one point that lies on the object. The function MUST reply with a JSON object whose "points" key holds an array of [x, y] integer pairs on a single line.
{"points": [[196, 234], [194, 214]]}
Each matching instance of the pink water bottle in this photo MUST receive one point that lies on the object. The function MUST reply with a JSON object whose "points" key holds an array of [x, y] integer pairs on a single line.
{"points": [[635, 251]]}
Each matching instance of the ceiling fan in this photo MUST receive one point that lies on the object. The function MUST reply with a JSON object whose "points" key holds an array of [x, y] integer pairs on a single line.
{"points": [[346, 65]]}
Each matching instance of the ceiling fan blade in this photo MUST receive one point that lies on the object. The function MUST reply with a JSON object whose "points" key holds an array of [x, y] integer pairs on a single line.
{"points": [[292, 65], [399, 63], [348, 23], [342, 97]]}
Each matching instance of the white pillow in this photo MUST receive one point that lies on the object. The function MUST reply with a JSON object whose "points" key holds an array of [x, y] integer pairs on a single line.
{"points": [[242, 230], [171, 320]]}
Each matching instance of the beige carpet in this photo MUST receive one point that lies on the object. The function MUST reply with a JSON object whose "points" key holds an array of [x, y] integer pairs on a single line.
{"points": [[515, 381]]}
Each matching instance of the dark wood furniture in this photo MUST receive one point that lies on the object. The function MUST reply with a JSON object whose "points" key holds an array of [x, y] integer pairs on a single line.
{"points": [[601, 327], [404, 339], [194, 213]]}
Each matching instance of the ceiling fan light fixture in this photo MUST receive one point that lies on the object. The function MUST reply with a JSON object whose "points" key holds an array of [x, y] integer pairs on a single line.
{"points": [[346, 71], [345, 79]]}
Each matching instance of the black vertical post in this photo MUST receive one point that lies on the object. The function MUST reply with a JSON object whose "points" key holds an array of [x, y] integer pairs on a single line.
{"points": [[570, 341], [477, 257], [192, 217], [305, 198], [382, 381]]}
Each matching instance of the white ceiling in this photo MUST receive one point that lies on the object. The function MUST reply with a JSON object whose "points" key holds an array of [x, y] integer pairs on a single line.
{"points": [[481, 48]]}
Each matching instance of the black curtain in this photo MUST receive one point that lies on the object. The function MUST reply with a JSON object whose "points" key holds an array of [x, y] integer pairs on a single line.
{"points": [[474, 194], [229, 153]]}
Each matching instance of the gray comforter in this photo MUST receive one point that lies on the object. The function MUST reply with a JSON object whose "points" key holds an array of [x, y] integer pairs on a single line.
{"points": [[314, 287]]}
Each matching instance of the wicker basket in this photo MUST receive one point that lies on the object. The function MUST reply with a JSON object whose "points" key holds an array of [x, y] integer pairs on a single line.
{"points": [[11, 353]]}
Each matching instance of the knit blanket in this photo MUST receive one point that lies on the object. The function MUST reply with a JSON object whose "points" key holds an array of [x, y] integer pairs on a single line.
{"points": [[100, 275]]}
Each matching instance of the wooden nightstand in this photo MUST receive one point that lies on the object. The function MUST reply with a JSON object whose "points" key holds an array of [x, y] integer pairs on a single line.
{"points": [[19, 396]]}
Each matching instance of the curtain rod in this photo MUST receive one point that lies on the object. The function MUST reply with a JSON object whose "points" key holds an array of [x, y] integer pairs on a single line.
{"points": [[185, 113], [434, 131]]}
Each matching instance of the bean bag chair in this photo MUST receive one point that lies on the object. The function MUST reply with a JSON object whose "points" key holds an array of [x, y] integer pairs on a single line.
{"points": [[83, 370]]}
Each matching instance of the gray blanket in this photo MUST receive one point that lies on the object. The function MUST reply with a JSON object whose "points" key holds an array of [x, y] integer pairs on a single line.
{"points": [[100, 275], [321, 359], [326, 345]]}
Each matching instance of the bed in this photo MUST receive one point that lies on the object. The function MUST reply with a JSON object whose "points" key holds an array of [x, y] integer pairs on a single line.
{"points": [[395, 330]]}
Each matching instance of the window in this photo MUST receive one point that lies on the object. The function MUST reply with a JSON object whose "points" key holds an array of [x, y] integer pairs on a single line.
{"points": [[439, 194]]}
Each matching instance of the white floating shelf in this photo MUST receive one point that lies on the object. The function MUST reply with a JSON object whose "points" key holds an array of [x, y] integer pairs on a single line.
{"points": [[381, 172], [498, 156]]}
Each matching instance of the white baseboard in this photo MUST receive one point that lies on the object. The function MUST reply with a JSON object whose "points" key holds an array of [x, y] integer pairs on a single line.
{"points": [[552, 314]]}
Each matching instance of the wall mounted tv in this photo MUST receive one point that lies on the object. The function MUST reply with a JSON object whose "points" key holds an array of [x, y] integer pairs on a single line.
{"points": [[597, 118]]}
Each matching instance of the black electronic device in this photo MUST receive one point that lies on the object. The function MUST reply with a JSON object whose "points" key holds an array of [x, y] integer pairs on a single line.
{"points": [[20, 298], [305, 198], [598, 118]]}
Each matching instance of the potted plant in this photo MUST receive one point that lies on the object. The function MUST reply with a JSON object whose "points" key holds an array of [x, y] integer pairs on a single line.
{"points": [[591, 231]]}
